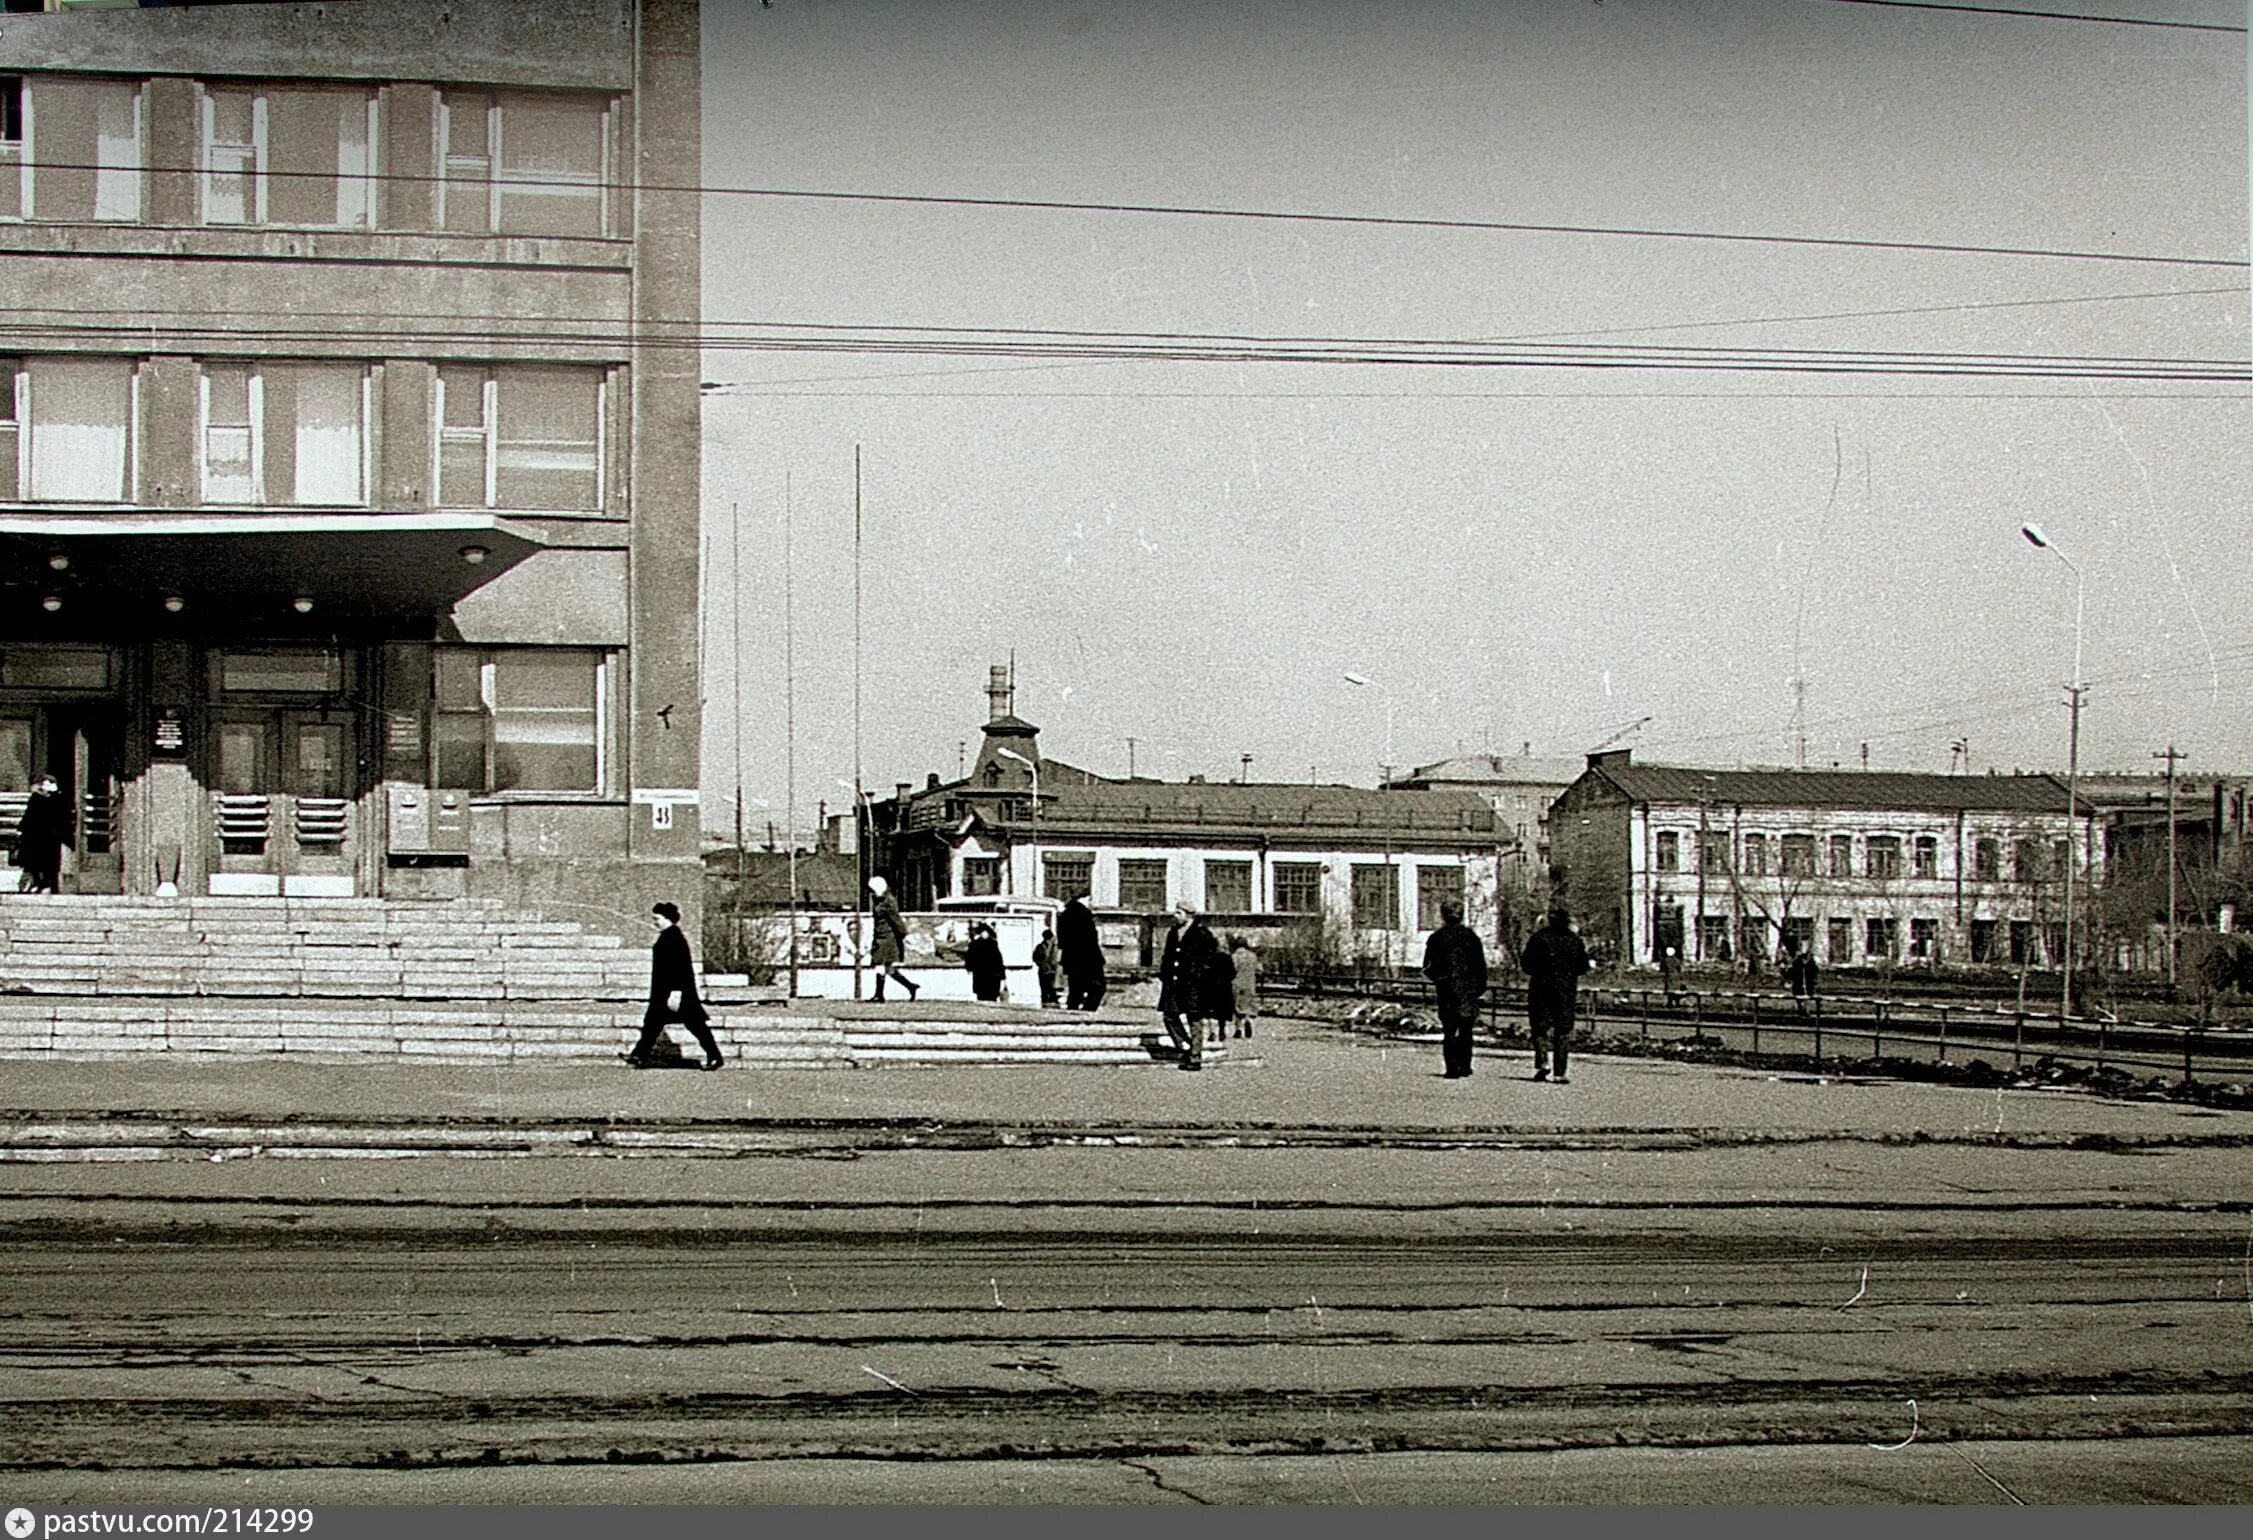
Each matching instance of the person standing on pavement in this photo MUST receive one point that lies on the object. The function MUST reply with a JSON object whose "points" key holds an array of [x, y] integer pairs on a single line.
{"points": [[1183, 970], [887, 938], [1079, 947], [1246, 984], [1455, 962], [983, 958], [1802, 972], [672, 992], [1554, 960], [40, 836], [1044, 967]]}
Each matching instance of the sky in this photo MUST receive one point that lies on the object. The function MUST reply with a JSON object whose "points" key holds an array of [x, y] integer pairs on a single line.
{"points": [[1511, 554]]}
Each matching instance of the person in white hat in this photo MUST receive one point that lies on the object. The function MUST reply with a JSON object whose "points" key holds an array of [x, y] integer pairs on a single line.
{"points": [[888, 940]]}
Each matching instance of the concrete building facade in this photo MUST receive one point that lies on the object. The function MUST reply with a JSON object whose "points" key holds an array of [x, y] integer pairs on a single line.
{"points": [[1867, 868], [348, 483]]}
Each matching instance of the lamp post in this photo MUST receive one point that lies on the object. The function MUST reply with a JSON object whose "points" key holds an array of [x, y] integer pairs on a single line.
{"points": [[2040, 541], [1362, 681], [1035, 768]]}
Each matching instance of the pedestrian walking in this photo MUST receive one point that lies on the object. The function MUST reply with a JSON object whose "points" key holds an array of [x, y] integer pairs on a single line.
{"points": [[40, 836], [1079, 947], [672, 992], [1455, 962], [1184, 970], [1554, 960], [1670, 972], [983, 958], [1246, 983], [887, 939], [1044, 966], [1802, 972]]}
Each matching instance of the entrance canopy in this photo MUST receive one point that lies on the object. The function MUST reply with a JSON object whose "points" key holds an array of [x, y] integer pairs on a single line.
{"points": [[68, 572]]}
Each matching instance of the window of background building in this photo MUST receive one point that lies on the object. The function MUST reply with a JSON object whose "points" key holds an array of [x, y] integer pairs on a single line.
{"points": [[519, 436], [1841, 941], [981, 876], [1436, 885], [1983, 941], [1228, 887], [1881, 937], [289, 155], [2022, 941], [2061, 854], [1798, 855], [82, 136], [1925, 854], [2053, 942], [1752, 938], [1376, 895], [1842, 855], [285, 433], [11, 441], [1713, 937], [519, 718], [79, 413], [11, 146], [1924, 940], [1298, 887], [1756, 857], [1713, 852], [523, 163], [1669, 851], [1799, 930], [1065, 876], [1142, 886], [1881, 857], [1987, 860], [2026, 861]]}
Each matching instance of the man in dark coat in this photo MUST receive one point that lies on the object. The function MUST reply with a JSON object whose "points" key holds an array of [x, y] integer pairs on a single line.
{"points": [[1044, 966], [1455, 962], [41, 835], [1554, 960], [988, 971], [887, 938], [672, 992], [1080, 948], [1185, 969]]}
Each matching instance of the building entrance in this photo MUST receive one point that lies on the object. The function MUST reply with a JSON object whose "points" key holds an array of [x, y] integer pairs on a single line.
{"points": [[282, 802], [77, 744]]}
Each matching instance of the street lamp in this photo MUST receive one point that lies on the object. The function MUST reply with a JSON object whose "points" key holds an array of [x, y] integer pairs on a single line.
{"points": [[1035, 768], [2040, 541], [1363, 681]]}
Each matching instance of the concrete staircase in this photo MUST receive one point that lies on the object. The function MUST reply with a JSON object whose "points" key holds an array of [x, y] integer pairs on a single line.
{"points": [[458, 981]]}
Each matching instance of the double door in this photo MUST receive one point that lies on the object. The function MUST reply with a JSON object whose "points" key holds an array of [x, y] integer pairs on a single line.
{"points": [[78, 745], [283, 795]]}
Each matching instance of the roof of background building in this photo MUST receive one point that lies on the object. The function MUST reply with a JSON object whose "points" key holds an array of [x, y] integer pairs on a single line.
{"points": [[1207, 805], [1871, 790], [1496, 769], [825, 877]]}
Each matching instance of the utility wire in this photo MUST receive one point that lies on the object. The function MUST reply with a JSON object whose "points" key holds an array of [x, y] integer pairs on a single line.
{"points": [[1993, 10]]}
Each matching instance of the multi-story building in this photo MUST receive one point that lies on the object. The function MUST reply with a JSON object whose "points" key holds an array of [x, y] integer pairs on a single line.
{"points": [[348, 483], [1370, 866], [1866, 868]]}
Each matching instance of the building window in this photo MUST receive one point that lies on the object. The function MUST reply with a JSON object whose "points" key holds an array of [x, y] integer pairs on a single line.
{"points": [[1799, 933], [2053, 941], [1066, 876], [1987, 861], [1376, 896], [80, 415], [520, 718], [2026, 861], [1881, 937], [519, 436], [2061, 855], [1713, 852], [1798, 855], [1881, 857], [1436, 885], [1228, 887], [83, 138], [278, 671], [285, 434], [1756, 856], [1752, 937], [2022, 941], [1713, 937], [1842, 855], [289, 155], [1924, 940], [523, 164], [1669, 851], [1926, 856], [1983, 941], [1298, 887], [1841, 941], [11, 438], [1142, 886], [11, 146], [981, 876]]}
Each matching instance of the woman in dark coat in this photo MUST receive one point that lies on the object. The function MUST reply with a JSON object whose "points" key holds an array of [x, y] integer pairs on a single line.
{"points": [[888, 938], [41, 835], [1079, 947], [983, 958]]}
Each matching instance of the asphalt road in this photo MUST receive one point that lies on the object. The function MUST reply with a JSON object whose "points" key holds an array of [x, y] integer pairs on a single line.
{"points": [[1182, 1309]]}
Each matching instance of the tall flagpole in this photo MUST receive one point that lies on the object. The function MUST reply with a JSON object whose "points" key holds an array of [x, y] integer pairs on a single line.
{"points": [[860, 800], [790, 726]]}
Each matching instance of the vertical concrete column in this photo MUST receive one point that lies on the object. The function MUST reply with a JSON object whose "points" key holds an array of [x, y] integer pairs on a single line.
{"points": [[403, 479], [167, 800], [172, 113], [171, 473], [663, 726], [409, 198]]}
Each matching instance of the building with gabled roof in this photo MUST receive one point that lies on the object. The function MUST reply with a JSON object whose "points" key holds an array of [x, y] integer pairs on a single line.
{"points": [[1863, 867]]}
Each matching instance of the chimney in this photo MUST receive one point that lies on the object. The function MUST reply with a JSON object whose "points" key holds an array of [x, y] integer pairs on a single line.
{"points": [[931, 781], [1000, 696], [1610, 759]]}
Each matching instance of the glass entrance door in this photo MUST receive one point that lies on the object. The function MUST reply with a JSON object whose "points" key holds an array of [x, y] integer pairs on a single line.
{"points": [[77, 744], [283, 815]]}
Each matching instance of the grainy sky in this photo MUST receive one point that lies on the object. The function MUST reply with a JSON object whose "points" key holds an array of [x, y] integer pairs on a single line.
{"points": [[1195, 554]]}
